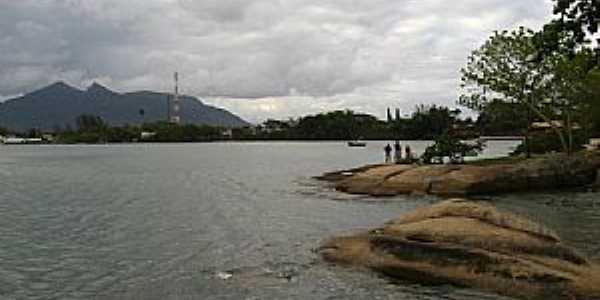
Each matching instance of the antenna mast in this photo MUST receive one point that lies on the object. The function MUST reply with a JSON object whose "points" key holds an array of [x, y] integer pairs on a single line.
{"points": [[174, 108]]}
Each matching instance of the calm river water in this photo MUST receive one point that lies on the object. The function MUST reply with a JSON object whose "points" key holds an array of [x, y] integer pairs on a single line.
{"points": [[167, 221]]}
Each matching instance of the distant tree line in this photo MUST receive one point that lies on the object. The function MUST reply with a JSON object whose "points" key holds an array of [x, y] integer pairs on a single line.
{"points": [[92, 129], [497, 118], [427, 122]]}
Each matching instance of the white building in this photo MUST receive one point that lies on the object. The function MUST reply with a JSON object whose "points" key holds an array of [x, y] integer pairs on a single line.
{"points": [[21, 141], [145, 135]]}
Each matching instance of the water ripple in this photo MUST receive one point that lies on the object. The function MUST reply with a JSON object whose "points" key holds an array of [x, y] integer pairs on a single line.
{"points": [[160, 221]]}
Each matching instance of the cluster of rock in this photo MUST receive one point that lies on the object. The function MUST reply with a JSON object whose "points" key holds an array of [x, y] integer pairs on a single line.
{"points": [[549, 172], [473, 245]]}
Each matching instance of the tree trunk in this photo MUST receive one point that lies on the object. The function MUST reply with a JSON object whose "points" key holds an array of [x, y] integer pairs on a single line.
{"points": [[527, 133], [570, 132]]}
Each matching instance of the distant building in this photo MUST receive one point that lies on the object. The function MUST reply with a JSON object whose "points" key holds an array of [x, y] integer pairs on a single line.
{"points": [[21, 141], [48, 137], [227, 133], [548, 125], [146, 135]]}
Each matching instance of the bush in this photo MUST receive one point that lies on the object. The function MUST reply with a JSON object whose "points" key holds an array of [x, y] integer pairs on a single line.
{"points": [[452, 147], [546, 142]]}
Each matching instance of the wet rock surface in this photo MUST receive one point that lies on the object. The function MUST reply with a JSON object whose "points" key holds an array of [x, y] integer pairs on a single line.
{"points": [[471, 244]]}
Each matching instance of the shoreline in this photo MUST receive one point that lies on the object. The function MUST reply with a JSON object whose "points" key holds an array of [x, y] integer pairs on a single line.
{"points": [[482, 177]]}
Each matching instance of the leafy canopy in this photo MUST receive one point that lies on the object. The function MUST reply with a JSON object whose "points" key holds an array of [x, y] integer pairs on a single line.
{"points": [[506, 67], [579, 17]]}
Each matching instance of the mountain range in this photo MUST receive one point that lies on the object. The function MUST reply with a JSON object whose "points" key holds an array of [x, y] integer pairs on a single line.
{"points": [[58, 105]]}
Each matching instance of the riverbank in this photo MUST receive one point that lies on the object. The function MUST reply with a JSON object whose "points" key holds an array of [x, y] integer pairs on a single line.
{"points": [[552, 171]]}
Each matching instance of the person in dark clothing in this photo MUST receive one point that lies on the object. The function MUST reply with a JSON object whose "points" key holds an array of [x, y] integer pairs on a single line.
{"points": [[397, 152], [408, 154], [388, 152]]}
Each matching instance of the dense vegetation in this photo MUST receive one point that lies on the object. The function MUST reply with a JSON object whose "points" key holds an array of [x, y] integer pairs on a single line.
{"points": [[500, 118], [427, 122], [433, 121], [451, 147], [92, 129], [551, 75]]}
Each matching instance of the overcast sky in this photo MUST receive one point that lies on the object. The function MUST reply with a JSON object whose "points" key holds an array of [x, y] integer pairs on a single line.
{"points": [[258, 58]]}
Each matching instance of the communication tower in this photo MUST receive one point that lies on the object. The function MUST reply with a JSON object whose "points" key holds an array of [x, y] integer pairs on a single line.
{"points": [[174, 105]]}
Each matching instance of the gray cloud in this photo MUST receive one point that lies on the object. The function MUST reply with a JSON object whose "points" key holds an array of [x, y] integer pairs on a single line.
{"points": [[260, 58]]}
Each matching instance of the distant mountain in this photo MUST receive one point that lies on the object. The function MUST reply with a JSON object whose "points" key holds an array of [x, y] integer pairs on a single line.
{"points": [[59, 104]]}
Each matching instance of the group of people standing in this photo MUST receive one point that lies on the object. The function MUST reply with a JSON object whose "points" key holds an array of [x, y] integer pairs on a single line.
{"points": [[408, 156]]}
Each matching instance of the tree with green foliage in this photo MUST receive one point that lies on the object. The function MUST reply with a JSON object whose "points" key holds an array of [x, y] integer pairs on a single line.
{"points": [[91, 129], [505, 68], [426, 122], [499, 118], [90, 123], [275, 129], [123, 134], [515, 67], [567, 90], [337, 125], [450, 146], [592, 100], [579, 18], [566, 39]]}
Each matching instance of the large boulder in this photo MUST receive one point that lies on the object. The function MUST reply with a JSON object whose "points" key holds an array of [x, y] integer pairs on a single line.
{"points": [[367, 181], [470, 180], [474, 245], [417, 180], [548, 172]]}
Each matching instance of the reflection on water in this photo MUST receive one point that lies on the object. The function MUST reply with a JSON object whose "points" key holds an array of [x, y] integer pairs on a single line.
{"points": [[162, 221]]}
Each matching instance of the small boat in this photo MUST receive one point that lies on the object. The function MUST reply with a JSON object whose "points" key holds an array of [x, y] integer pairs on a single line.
{"points": [[357, 144]]}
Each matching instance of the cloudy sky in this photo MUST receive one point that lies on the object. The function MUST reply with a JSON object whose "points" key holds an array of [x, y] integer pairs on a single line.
{"points": [[258, 58]]}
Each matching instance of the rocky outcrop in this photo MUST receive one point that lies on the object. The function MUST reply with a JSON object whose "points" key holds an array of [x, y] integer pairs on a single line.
{"points": [[415, 180], [548, 172], [371, 178], [473, 245]]}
